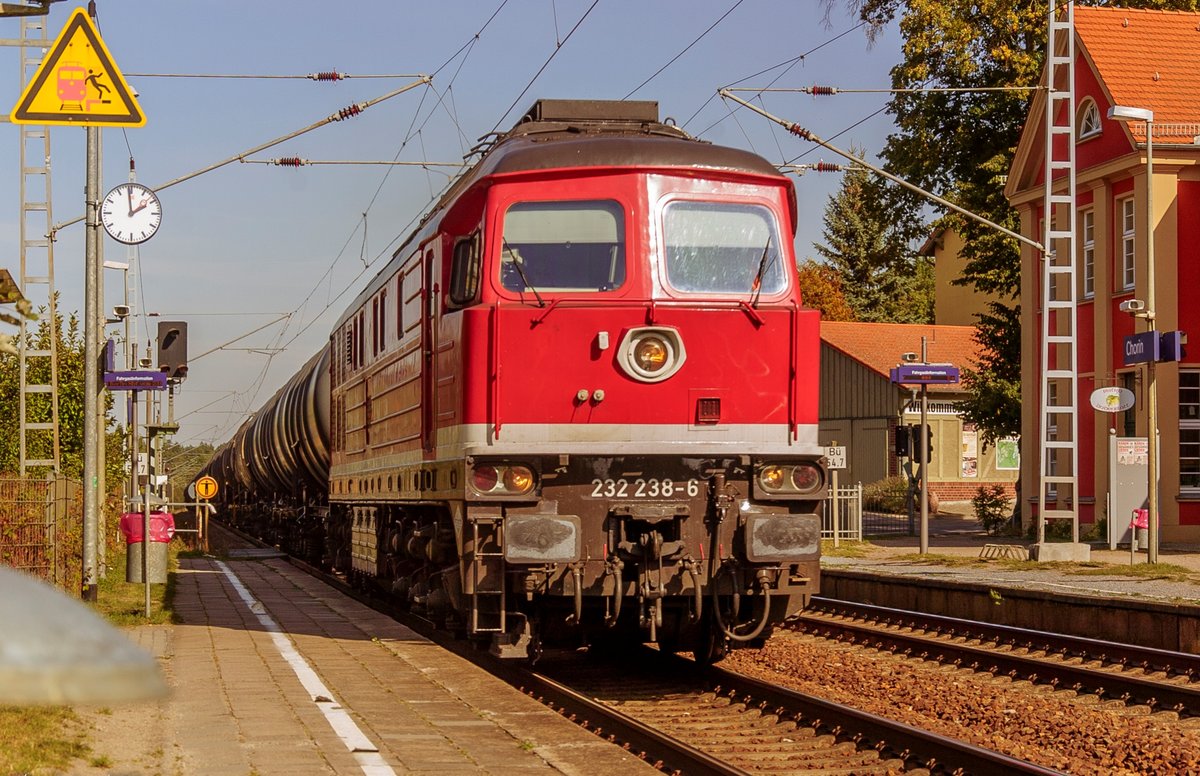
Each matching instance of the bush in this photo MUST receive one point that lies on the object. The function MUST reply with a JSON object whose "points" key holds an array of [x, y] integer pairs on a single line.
{"points": [[991, 507], [887, 495]]}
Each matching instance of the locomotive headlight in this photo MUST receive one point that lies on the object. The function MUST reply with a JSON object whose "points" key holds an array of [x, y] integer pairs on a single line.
{"points": [[502, 479], [772, 477], [806, 477], [791, 480], [651, 354], [518, 479], [485, 478]]}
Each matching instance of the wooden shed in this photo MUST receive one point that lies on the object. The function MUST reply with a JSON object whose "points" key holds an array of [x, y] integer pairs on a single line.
{"points": [[862, 409]]}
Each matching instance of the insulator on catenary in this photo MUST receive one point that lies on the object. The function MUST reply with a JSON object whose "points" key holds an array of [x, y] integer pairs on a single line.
{"points": [[828, 167], [331, 75], [291, 161], [822, 90], [347, 112], [799, 131]]}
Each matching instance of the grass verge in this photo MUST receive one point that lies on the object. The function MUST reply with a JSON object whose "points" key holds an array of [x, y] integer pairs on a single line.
{"points": [[40, 739], [124, 603], [49, 739], [846, 549]]}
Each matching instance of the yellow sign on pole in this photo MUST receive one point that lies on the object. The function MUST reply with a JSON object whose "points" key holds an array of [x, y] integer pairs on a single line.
{"points": [[206, 487], [78, 84]]}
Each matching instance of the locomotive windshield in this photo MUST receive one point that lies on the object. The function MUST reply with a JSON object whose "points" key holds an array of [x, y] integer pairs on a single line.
{"points": [[723, 248], [563, 246]]}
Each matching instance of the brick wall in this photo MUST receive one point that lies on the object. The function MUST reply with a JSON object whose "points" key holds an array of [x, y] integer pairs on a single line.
{"points": [[965, 491]]}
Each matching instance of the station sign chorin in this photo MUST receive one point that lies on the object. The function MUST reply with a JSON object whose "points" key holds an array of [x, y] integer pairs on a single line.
{"points": [[78, 84]]}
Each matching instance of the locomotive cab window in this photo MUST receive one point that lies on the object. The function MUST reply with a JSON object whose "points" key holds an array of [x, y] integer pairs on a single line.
{"points": [[723, 248], [563, 246], [464, 272]]}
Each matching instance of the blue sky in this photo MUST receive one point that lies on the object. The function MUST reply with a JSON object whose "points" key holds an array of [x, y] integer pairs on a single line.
{"points": [[246, 244]]}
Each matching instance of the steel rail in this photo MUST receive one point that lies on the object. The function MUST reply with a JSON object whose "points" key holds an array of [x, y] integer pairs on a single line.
{"points": [[1155, 693], [1150, 658], [933, 751], [665, 752]]}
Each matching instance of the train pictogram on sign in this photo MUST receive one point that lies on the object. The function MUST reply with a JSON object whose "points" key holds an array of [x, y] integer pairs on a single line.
{"points": [[78, 84]]}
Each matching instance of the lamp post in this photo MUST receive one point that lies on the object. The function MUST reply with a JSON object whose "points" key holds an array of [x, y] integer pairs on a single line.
{"points": [[1125, 113]]}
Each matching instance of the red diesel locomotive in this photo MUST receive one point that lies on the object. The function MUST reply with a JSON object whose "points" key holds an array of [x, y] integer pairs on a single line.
{"points": [[579, 404]]}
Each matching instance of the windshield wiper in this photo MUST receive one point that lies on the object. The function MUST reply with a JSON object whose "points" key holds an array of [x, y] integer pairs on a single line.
{"points": [[763, 266], [516, 262]]}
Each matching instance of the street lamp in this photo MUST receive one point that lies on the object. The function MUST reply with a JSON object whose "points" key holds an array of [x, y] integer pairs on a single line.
{"points": [[1125, 113]]}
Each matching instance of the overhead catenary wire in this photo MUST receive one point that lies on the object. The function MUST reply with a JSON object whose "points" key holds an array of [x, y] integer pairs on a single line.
{"points": [[685, 50], [326, 76], [553, 54], [789, 63], [296, 161], [464, 51], [831, 90], [805, 134], [349, 111]]}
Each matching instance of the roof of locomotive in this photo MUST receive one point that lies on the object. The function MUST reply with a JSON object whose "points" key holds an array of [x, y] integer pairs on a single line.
{"points": [[590, 133], [561, 134]]}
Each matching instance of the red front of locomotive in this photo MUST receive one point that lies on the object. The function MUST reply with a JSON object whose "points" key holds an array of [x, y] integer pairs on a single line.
{"points": [[638, 404]]}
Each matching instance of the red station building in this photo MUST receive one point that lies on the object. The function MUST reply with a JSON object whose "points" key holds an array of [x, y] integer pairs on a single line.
{"points": [[1149, 60]]}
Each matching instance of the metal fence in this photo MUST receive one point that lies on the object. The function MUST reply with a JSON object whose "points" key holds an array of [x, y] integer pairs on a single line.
{"points": [[853, 522], [843, 515], [37, 532], [886, 524]]}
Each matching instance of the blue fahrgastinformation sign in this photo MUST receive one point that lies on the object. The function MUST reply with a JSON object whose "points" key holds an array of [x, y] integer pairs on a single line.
{"points": [[135, 381], [925, 374]]}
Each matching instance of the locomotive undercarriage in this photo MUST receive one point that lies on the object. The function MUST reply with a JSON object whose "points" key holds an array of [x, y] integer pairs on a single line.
{"points": [[603, 553]]}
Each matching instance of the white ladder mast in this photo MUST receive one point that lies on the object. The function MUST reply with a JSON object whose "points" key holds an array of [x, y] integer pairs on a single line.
{"points": [[38, 412], [1058, 461]]}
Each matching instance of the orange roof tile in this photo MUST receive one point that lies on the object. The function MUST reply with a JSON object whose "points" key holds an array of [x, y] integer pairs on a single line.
{"points": [[1147, 59], [878, 346]]}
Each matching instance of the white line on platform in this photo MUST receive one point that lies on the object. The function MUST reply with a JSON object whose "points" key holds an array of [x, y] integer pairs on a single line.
{"points": [[365, 753]]}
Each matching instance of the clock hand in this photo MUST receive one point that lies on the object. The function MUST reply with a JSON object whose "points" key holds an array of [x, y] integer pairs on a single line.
{"points": [[141, 206], [129, 194]]}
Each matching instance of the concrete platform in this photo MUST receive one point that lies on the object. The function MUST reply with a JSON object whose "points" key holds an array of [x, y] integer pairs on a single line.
{"points": [[273, 672], [968, 573]]}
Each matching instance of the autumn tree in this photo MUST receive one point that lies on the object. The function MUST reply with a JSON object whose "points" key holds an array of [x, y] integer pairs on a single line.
{"points": [[821, 289]]}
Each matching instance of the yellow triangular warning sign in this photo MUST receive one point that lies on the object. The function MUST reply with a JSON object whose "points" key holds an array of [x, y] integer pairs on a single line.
{"points": [[78, 84]]}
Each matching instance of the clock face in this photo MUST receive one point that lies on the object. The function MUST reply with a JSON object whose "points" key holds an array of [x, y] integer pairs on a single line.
{"points": [[131, 213]]}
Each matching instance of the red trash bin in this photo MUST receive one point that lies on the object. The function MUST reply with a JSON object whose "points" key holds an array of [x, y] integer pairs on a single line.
{"points": [[162, 530], [1140, 525]]}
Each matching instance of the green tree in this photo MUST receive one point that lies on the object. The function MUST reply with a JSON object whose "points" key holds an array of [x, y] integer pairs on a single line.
{"points": [[182, 463], [882, 278], [69, 345]]}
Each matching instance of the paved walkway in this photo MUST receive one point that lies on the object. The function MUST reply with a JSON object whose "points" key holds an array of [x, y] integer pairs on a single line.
{"points": [[275, 673]]}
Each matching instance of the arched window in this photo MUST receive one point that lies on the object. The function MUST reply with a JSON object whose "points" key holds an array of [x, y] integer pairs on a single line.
{"points": [[1088, 121]]}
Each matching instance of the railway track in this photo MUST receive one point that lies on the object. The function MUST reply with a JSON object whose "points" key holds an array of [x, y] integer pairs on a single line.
{"points": [[1159, 679], [687, 719], [746, 725]]}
